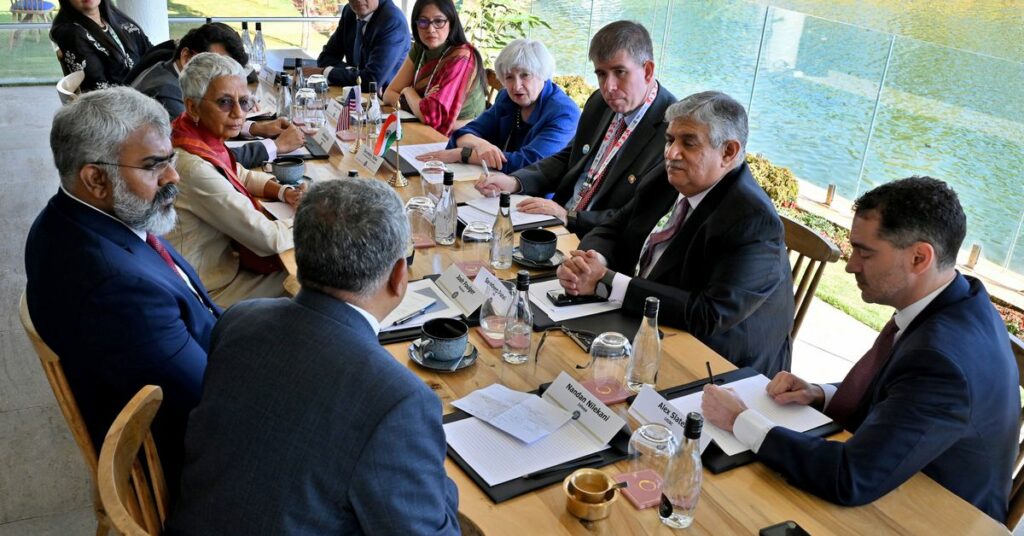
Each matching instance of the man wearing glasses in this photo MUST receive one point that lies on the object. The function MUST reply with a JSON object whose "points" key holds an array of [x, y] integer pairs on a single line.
{"points": [[118, 304], [371, 42]]}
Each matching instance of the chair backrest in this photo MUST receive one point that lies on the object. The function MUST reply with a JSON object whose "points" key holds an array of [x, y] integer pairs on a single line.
{"points": [[1017, 490], [813, 251], [494, 84], [136, 504], [67, 88]]}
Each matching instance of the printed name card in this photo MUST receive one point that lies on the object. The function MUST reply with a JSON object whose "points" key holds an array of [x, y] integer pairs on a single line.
{"points": [[490, 285], [334, 109], [325, 138], [458, 286], [267, 76], [650, 407], [368, 160], [586, 408]]}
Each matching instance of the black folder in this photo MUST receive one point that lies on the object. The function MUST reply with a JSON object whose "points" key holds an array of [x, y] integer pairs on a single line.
{"points": [[514, 488], [408, 170], [713, 458], [315, 151]]}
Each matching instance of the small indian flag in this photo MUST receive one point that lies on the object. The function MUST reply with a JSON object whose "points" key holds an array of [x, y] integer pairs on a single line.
{"points": [[389, 133]]}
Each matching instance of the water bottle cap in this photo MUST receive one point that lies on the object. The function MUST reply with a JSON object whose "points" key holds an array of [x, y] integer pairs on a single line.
{"points": [[522, 280], [245, 25], [651, 307], [449, 178], [259, 26], [694, 424], [353, 173], [505, 200]]}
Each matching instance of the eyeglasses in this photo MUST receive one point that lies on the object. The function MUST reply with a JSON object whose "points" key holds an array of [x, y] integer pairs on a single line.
{"points": [[438, 23], [226, 104], [157, 168]]}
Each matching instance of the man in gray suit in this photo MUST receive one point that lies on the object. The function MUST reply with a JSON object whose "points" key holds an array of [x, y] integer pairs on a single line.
{"points": [[161, 82], [306, 424], [618, 144]]}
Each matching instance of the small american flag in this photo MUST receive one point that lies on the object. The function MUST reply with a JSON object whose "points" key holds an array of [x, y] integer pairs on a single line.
{"points": [[350, 108]]}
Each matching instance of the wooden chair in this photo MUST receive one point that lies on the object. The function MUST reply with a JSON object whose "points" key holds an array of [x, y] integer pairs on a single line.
{"points": [[495, 86], [137, 504], [68, 407], [67, 88], [812, 252], [1017, 489]]}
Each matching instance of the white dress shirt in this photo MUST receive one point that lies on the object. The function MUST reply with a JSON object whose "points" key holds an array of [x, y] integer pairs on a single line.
{"points": [[751, 427], [374, 324]]}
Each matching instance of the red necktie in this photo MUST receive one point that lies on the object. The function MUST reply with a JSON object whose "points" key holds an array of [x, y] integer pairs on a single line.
{"points": [[155, 243], [665, 234], [848, 397], [589, 192]]}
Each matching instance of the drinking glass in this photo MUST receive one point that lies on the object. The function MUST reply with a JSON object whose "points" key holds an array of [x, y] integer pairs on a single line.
{"points": [[420, 212], [492, 312], [476, 241], [609, 355], [432, 175], [652, 446], [305, 114]]}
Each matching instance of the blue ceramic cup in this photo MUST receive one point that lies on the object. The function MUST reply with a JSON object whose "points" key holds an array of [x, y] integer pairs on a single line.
{"points": [[288, 169], [443, 339], [538, 245]]}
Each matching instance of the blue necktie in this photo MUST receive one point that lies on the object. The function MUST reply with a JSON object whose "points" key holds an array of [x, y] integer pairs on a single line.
{"points": [[357, 47]]}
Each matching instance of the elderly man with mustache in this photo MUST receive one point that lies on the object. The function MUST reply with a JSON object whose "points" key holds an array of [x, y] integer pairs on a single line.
{"points": [[707, 242]]}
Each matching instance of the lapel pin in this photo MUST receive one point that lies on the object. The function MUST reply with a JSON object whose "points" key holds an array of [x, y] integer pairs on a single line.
{"points": [[586, 148], [631, 179]]}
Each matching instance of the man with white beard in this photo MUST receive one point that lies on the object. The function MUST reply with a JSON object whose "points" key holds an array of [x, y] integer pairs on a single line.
{"points": [[119, 306]]}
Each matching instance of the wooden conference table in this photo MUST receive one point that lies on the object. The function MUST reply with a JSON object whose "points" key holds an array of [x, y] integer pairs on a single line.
{"points": [[739, 501]]}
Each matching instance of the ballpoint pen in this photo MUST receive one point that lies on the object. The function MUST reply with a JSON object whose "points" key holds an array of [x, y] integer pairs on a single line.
{"points": [[711, 377], [411, 315]]}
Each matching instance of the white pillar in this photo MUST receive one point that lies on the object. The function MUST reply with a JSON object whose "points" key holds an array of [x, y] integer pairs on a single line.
{"points": [[151, 16]]}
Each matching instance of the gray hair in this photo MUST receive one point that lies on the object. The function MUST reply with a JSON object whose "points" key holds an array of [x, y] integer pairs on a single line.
{"points": [[527, 55], [625, 35], [348, 235], [726, 119], [94, 128], [202, 69]]}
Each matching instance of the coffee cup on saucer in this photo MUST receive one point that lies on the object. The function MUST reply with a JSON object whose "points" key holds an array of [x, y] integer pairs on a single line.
{"points": [[443, 339], [288, 169], [538, 245]]}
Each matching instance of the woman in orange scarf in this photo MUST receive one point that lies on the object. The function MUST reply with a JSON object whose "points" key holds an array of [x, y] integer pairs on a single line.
{"points": [[223, 229]]}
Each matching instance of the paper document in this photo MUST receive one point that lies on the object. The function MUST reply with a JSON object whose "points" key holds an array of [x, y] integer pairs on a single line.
{"points": [[463, 172], [443, 307], [498, 458], [751, 391], [413, 304], [281, 211], [539, 297], [489, 206], [526, 417]]}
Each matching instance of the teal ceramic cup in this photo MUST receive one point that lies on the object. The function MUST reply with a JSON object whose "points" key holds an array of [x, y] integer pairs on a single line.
{"points": [[443, 339]]}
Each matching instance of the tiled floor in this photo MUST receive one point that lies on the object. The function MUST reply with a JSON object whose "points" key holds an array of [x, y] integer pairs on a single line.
{"points": [[44, 487]]}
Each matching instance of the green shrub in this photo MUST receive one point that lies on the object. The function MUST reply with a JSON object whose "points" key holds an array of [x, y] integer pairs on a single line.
{"points": [[575, 87], [777, 181]]}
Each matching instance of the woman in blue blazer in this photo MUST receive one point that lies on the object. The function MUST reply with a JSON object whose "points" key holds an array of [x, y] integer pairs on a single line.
{"points": [[531, 119]]}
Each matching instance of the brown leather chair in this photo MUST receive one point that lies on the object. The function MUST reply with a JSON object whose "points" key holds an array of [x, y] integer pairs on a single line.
{"points": [[132, 485], [812, 252], [68, 407]]}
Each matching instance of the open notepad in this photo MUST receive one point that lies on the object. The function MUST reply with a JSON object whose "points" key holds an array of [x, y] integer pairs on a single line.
{"points": [[499, 457], [463, 172]]}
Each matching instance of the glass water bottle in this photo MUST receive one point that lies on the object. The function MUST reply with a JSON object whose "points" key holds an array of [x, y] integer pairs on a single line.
{"points": [[259, 47], [503, 233], [445, 215], [643, 367], [247, 42], [519, 323], [680, 487]]}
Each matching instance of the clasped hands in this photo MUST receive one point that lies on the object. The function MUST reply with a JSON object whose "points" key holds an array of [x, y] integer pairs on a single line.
{"points": [[580, 273], [721, 405], [287, 137]]}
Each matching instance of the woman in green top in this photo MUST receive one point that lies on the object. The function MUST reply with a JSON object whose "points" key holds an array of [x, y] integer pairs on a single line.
{"points": [[442, 81]]}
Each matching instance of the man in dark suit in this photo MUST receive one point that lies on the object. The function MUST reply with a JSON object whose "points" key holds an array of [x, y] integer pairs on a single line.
{"points": [[938, 391], [119, 306], [707, 242], [307, 425], [617, 147], [371, 42], [160, 81]]}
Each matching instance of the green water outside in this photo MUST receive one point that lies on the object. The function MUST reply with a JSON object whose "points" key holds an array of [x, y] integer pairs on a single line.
{"points": [[951, 106]]}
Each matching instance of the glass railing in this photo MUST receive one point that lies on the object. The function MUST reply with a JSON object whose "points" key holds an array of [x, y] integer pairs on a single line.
{"points": [[836, 103]]}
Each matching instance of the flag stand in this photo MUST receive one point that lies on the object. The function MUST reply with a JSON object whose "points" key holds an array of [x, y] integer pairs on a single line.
{"points": [[398, 180]]}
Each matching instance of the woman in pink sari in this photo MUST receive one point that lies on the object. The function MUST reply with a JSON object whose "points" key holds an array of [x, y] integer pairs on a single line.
{"points": [[442, 82]]}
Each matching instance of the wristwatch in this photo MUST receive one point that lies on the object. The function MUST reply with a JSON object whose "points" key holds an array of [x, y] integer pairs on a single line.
{"points": [[466, 153], [570, 219]]}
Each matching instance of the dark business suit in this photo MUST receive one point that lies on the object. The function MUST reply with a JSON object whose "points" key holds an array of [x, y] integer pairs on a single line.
{"points": [[307, 425], [946, 403], [384, 46], [160, 81], [724, 277], [119, 318], [638, 161]]}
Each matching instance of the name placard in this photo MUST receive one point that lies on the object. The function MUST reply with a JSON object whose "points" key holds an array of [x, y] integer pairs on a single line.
{"points": [[585, 407], [368, 160], [333, 113], [490, 285], [325, 137], [460, 289]]}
